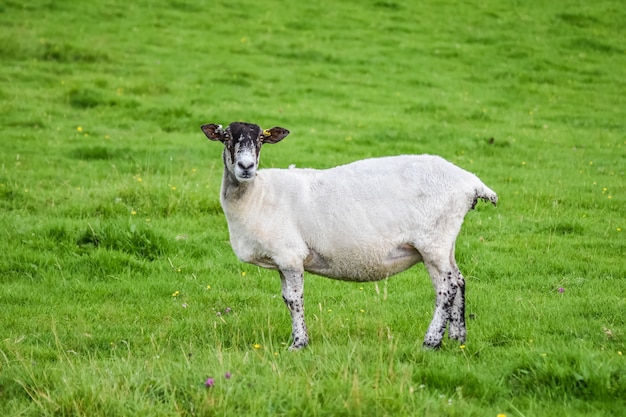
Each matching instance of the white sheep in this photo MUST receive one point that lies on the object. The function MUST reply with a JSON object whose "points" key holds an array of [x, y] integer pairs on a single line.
{"points": [[363, 221]]}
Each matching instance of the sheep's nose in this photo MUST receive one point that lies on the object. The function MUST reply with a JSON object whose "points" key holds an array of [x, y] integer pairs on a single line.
{"points": [[245, 166]]}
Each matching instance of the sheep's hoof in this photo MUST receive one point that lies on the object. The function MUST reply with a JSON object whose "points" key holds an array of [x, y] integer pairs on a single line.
{"points": [[458, 335], [432, 346], [299, 344], [297, 347]]}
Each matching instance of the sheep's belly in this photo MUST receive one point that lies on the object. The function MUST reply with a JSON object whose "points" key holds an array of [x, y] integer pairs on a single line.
{"points": [[363, 267]]}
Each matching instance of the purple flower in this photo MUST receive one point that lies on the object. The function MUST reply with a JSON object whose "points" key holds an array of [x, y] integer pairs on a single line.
{"points": [[227, 375], [209, 382], [561, 289], [228, 310]]}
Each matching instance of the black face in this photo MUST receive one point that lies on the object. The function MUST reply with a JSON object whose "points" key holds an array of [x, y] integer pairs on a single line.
{"points": [[242, 143]]}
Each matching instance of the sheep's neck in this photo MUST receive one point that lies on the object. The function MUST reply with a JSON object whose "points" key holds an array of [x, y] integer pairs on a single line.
{"points": [[232, 189]]}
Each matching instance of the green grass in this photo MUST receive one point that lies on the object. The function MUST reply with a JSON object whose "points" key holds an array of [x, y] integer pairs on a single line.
{"points": [[115, 257]]}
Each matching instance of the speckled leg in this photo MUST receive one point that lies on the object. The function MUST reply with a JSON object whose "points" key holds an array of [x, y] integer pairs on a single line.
{"points": [[446, 289], [457, 318], [293, 295]]}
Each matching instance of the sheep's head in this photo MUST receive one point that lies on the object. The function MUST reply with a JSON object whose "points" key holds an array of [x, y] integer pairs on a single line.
{"points": [[242, 145]]}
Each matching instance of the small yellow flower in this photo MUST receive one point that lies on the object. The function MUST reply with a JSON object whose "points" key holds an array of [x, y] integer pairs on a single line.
{"points": [[79, 128], [462, 346], [523, 162], [173, 188], [208, 287], [243, 273], [176, 294], [501, 415], [275, 353], [619, 353], [139, 179], [257, 346], [619, 229], [330, 310], [544, 355], [133, 212], [362, 311]]}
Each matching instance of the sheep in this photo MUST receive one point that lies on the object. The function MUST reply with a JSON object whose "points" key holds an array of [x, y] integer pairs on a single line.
{"points": [[364, 221]]}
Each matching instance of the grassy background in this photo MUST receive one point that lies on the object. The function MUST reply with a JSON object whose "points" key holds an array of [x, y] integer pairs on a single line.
{"points": [[120, 294]]}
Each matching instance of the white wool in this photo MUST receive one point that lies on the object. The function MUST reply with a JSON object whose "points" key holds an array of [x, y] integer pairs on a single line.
{"points": [[353, 216]]}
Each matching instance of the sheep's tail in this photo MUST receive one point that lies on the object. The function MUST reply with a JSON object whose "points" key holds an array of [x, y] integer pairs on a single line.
{"points": [[484, 193]]}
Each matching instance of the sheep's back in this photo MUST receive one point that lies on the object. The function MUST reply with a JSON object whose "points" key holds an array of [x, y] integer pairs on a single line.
{"points": [[369, 200]]}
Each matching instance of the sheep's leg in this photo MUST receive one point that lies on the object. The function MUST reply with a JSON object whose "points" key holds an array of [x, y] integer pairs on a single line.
{"points": [[457, 318], [293, 295], [445, 291]]}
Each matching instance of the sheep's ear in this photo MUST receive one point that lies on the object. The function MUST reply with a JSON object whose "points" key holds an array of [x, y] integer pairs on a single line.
{"points": [[274, 135], [214, 132]]}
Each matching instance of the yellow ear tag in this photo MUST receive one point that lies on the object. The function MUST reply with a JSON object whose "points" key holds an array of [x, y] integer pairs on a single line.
{"points": [[267, 133]]}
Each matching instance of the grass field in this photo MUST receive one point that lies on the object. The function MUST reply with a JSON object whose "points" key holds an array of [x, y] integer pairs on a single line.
{"points": [[120, 294]]}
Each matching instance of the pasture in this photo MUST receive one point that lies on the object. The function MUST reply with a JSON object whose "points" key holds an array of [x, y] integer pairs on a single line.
{"points": [[120, 294]]}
